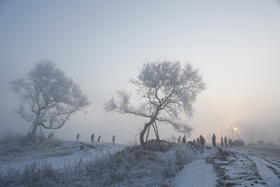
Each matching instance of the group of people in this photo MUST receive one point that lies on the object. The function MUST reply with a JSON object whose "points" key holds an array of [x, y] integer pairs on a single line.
{"points": [[196, 144], [93, 136], [199, 143], [224, 141], [182, 139]]}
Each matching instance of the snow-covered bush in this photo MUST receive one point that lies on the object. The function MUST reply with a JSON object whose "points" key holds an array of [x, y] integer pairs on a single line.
{"points": [[30, 176], [135, 166]]}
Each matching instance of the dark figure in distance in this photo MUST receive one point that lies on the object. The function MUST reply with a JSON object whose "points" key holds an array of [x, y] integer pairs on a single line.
{"points": [[92, 138], [98, 139], [214, 140], [179, 139], [194, 142], [225, 140], [198, 141], [184, 139], [78, 137], [230, 142], [222, 142], [113, 138], [202, 142]]}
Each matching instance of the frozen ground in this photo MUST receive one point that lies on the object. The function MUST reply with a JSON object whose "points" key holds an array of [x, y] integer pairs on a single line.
{"points": [[57, 154], [267, 161], [197, 173], [118, 165], [247, 166]]}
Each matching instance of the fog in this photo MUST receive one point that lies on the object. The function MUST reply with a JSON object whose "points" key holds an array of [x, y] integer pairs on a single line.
{"points": [[102, 45]]}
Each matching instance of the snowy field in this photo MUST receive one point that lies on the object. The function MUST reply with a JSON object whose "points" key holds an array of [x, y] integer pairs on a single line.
{"points": [[121, 165], [57, 154]]}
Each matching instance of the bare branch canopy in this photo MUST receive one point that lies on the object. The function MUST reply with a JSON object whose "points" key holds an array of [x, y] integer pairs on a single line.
{"points": [[165, 90], [49, 98]]}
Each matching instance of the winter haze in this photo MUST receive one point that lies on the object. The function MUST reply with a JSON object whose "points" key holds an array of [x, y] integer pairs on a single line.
{"points": [[101, 45]]}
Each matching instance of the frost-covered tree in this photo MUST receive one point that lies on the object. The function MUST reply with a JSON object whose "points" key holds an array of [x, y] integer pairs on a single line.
{"points": [[165, 91], [49, 98]]}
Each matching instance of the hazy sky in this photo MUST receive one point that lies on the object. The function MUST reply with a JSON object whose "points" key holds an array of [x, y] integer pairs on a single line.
{"points": [[102, 44]]}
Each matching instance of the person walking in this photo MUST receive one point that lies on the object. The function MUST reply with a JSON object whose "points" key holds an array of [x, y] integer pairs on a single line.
{"points": [[113, 138], [202, 142], [230, 142], [78, 137], [214, 140], [179, 139], [225, 140], [99, 138], [92, 138], [222, 141], [184, 139]]}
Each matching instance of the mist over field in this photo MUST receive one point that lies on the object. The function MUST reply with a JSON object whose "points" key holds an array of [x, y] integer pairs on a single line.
{"points": [[102, 45], [129, 72]]}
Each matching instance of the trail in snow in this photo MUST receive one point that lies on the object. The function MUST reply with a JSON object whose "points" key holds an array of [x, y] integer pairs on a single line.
{"points": [[269, 173], [236, 169], [268, 169], [198, 173]]}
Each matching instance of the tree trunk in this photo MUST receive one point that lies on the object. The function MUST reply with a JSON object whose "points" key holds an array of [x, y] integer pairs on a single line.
{"points": [[32, 131], [157, 135], [142, 133], [147, 134]]}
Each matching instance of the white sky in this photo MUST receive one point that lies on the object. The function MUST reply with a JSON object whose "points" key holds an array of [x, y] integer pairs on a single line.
{"points": [[102, 44]]}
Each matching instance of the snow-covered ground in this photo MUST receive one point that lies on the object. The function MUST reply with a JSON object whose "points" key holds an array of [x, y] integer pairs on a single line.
{"points": [[247, 166], [58, 155], [267, 161], [231, 166], [197, 173]]}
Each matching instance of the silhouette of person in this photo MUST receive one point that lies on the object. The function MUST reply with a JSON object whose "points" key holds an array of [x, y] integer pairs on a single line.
{"points": [[92, 138], [202, 142], [184, 139], [98, 139], [198, 141], [78, 137], [225, 140], [230, 142], [222, 141], [114, 138], [179, 139], [214, 140]]}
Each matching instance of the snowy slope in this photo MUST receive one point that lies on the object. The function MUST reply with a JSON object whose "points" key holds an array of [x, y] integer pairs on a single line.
{"points": [[66, 154]]}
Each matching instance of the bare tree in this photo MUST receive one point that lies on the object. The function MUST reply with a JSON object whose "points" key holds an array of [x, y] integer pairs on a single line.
{"points": [[165, 90], [49, 98]]}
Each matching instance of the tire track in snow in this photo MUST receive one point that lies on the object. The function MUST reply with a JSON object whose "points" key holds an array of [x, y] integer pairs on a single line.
{"points": [[270, 164], [274, 171], [236, 169], [266, 168], [273, 162]]}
